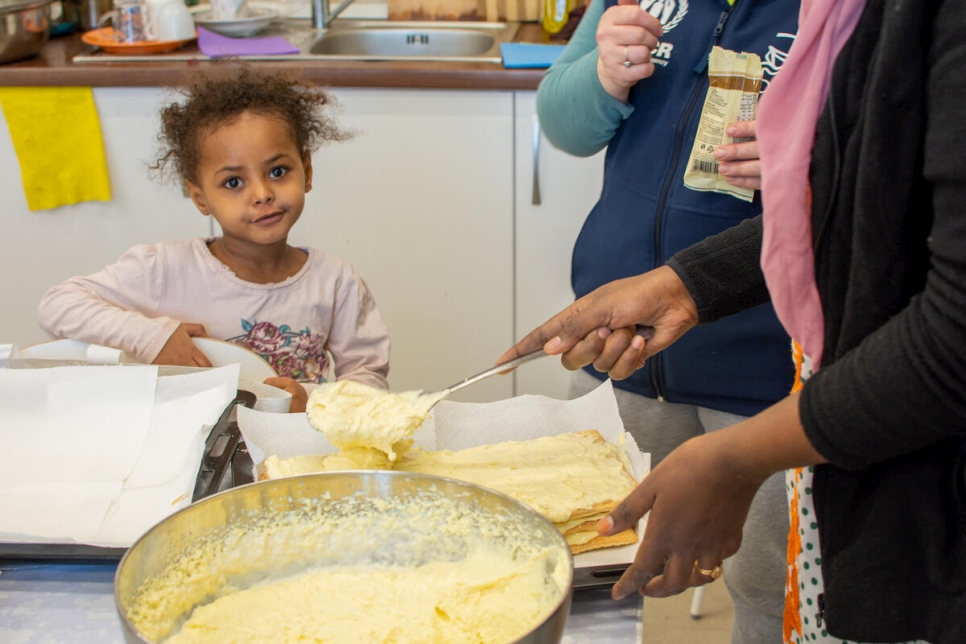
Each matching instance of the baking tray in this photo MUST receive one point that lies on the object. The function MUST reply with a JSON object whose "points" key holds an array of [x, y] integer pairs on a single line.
{"points": [[225, 454], [594, 577]]}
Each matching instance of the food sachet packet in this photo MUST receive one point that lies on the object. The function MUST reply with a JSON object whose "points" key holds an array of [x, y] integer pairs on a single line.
{"points": [[734, 82]]}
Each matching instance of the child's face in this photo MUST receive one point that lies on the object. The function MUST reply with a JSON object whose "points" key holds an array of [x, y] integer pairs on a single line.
{"points": [[252, 179]]}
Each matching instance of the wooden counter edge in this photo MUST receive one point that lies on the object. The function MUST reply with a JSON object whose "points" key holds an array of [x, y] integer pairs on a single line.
{"points": [[55, 67]]}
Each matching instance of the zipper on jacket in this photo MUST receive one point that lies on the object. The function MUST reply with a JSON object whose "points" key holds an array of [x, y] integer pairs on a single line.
{"points": [[820, 616], [722, 19], [656, 361], [656, 381]]}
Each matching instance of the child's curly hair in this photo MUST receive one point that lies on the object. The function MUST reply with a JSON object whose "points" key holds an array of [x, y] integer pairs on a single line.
{"points": [[211, 99]]}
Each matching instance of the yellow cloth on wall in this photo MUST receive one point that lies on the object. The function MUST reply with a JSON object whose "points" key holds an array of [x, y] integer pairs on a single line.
{"points": [[57, 136]]}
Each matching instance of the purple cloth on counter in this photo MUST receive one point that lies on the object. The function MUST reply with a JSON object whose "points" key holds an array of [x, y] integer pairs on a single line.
{"points": [[217, 46]]}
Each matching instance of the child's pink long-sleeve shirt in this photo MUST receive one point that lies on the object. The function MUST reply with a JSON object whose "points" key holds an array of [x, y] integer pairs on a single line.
{"points": [[137, 303]]}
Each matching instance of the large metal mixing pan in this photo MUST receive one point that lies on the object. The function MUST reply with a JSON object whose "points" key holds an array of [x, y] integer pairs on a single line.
{"points": [[275, 502]]}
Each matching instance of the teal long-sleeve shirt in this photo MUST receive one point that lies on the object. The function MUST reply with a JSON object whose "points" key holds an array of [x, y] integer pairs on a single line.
{"points": [[576, 114]]}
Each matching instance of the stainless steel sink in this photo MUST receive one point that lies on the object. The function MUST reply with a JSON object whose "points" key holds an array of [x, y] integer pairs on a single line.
{"points": [[436, 41], [427, 41], [405, 43]]}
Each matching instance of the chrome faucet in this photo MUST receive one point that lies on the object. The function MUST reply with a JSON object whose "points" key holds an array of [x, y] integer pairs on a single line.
{"points": [[323, 15]]}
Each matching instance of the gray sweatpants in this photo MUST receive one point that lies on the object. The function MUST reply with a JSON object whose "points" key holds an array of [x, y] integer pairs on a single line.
{"points": [[755, 575]]}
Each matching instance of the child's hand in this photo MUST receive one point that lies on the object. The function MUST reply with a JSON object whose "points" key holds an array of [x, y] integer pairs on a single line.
{"points": [[180, 350], [299, 396]]}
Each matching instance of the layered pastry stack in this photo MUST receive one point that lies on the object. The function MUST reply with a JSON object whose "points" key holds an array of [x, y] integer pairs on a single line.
{"points": [[572, 479]]}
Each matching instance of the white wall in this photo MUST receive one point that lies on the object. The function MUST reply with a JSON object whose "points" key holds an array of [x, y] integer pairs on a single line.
{"points": [[43, 248]]}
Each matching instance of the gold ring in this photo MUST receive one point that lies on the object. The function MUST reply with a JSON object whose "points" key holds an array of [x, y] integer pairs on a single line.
{"points": [[627, 59], [714, 573]]}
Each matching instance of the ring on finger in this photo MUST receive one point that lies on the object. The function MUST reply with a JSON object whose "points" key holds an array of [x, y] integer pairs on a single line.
{"points": [[627, 60], [714, 573]]}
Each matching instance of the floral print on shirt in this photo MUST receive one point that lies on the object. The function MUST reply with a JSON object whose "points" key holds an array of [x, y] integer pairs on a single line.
{"points": [[299, 355]]}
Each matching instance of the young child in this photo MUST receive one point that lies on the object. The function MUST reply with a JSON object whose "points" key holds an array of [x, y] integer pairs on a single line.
{"points": [[241, 144]]}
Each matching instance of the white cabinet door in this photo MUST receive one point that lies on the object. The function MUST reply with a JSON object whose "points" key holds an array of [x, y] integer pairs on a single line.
{"points": [[44, 248], [421, 203], [545, 233]]}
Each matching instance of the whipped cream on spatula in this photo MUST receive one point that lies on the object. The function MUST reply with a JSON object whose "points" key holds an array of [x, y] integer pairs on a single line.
{"points": [[354, 416]]}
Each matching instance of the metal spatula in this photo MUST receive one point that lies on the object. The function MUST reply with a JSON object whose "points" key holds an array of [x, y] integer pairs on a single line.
{"points": [[502, 368]]}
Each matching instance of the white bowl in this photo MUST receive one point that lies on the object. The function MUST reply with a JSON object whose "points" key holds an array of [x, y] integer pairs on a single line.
{"points": [[267, 397], [253, 366], [258, 19]]}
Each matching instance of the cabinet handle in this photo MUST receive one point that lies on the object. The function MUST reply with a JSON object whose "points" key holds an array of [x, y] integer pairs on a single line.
{"points": [[535, 199]]}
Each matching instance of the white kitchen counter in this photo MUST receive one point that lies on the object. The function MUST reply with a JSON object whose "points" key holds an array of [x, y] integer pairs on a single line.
{"points": [[74, 602]]}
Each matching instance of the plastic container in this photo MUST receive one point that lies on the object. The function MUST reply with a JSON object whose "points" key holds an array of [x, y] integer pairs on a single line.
{"points": [[555, 14]]}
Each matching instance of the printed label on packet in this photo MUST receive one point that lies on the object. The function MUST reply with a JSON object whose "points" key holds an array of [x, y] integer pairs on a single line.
{"points": [[734, 82]]}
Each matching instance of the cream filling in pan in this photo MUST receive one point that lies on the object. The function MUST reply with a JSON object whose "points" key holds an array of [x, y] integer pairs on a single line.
{"points": [[424, 567], [486, 598]]}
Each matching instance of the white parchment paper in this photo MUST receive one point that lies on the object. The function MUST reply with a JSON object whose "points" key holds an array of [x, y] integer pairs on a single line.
{"points": [[98, 454]]}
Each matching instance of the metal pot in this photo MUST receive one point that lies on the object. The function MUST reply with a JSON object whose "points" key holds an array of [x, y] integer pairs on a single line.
{"points": [[24, 28], [266, 524], [85, 13]]}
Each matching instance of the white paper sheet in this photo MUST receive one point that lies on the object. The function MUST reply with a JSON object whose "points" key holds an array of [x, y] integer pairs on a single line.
{"points": [[185, 409], [80, 440], [456, 426], [74, 423], [39, 511]]}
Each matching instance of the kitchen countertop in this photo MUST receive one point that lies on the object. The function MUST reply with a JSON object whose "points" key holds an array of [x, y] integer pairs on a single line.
{"points": [[55, 67], [74, 602]]}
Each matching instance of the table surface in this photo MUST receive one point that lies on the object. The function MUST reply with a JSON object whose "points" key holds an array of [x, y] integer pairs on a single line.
{"points": [[74, 602]]}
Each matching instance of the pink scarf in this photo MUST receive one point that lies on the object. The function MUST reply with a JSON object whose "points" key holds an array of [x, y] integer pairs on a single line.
{"points": [[787, 117]]}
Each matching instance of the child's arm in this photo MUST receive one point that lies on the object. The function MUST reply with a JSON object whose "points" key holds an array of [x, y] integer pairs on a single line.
{"points": [[115, 307], [358, 339]]}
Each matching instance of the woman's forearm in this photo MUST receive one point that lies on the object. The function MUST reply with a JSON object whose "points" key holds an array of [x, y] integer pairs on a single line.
{"points": [[576, 114], [769, 442]]}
